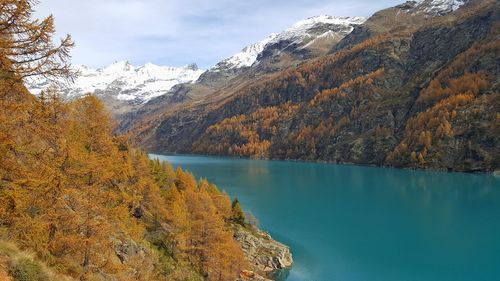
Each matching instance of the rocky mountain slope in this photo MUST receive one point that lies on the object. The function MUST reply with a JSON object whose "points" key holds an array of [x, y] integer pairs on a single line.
{"points": [[435, 7], [301, 36], [122, 86], [307, 39], [415, 85]]}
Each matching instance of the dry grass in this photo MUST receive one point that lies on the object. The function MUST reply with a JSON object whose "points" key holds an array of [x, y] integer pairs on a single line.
{"points": [[12, 257]]}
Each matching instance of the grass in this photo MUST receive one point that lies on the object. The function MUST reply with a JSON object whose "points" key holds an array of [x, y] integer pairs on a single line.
{"points": [[18, 265]]}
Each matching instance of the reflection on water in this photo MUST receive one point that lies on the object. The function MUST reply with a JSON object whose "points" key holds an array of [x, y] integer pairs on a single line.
{"points": [[363, 223]]}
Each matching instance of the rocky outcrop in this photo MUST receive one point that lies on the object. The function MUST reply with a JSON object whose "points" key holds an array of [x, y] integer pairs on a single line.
{"points": [[138, 260], [248, 275], [124, 250], [265, 255]]}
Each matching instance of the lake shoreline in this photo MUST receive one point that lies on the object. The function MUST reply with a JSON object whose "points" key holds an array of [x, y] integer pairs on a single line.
{"points": [[353, 222], [474, 172]]}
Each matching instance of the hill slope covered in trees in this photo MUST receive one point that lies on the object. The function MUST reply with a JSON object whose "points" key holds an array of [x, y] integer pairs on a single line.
{"points": [[86, 203], [407, 88]]}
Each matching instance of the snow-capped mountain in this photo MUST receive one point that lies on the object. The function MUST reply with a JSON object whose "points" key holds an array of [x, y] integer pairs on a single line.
{"points": [[306, 29], [246, 57], [301, 35], [435, 7], [316, 30], [122, 81]]}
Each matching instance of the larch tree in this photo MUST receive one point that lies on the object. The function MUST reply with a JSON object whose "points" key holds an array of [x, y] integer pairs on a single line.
{"points": [[177, 223], [220, 199], [71, 190], [211, 247], [26, 46], [26, 49]]}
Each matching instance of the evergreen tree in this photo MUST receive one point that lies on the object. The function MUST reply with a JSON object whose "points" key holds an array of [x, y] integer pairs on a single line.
{"points": [[237, 213]]}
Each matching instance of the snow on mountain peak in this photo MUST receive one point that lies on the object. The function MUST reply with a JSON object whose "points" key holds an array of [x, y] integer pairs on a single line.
{"points": [[123, 81], [248, 56], [325, 19], [437, 7], [118, 66], [300, 30]]}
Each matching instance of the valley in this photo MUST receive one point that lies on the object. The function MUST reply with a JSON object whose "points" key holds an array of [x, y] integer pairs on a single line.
{"points": [[358, 146]]}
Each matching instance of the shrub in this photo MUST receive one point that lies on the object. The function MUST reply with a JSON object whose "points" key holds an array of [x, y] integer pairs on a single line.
{"points": [[27, 270]]}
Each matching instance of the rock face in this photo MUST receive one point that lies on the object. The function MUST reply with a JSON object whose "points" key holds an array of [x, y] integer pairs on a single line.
{"points": [[138, 259], [264, 254], [125, 250], [248, 275]]}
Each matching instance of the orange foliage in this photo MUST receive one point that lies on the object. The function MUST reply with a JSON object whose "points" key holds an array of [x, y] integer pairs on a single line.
{"points": [[243, 135], [446, 94], [361, 81]]}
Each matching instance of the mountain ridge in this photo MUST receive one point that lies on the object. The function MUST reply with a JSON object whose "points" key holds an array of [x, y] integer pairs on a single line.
{"points": [[296, 34], [122, 86], [322, 106]]}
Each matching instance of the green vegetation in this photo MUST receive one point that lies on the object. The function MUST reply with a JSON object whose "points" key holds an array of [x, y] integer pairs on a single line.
{"points": [[237, 215], [27, 270], [21, 265]]}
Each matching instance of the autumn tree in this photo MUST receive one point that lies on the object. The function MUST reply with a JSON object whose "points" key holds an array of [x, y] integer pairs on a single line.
{"points": [[177, 223], [26, 49], [211, 247], [220, 199], [163, 173], [26, 46], [75, 193]]}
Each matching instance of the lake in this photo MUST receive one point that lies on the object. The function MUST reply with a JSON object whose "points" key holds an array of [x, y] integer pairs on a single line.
{"points": [[352, 223]]}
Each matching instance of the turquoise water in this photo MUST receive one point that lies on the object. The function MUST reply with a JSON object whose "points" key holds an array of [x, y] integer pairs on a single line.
{"points": [[351, 223]]}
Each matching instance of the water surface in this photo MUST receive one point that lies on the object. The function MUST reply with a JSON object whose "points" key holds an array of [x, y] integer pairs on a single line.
{"points": [[351, 223]]}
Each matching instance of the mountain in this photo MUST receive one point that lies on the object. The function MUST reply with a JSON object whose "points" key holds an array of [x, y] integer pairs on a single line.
{"points": [[124, 88], [121, 85], [415, 85], [435, 7], [302, 35], [306, 39], [246, 58]]}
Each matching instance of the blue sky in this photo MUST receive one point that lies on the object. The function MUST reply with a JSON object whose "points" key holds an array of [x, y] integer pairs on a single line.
{"points": [[179, 32]]}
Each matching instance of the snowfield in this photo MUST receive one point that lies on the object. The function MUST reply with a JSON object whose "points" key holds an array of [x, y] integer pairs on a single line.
{"points": [[123, 81]]}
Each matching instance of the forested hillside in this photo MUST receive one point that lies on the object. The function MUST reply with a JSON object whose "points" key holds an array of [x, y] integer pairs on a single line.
{"points": [[405, 89], [86, 203]]}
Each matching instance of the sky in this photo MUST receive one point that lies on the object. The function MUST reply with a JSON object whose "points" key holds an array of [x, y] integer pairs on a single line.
{"points": [[180, 32]]}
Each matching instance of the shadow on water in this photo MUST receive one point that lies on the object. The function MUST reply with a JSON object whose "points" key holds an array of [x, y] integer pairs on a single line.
{"points": [[281, 275]]}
